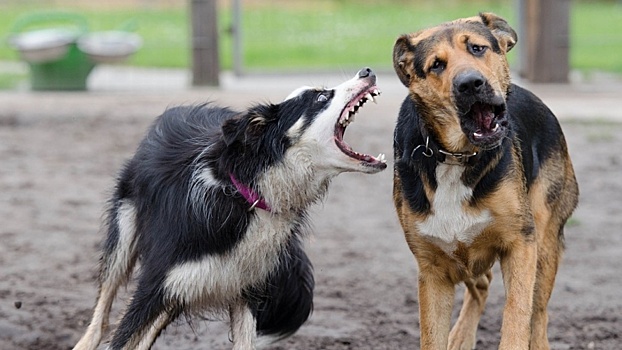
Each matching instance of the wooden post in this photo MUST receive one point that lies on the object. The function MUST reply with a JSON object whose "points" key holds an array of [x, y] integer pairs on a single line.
{"points": [[205, 54], [546, 40]]}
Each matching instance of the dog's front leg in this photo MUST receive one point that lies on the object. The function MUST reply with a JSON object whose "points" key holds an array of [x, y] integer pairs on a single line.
{"points": [[518, 266], [243, 326], [436, 296]]}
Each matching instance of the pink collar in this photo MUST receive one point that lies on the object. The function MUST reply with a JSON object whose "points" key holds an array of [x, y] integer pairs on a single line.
{"points": [[251, 196]]}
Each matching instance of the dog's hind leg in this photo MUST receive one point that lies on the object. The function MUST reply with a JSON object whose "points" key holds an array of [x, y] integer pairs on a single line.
{"points": [[148, 313], [463, 334], [116, 264], [552, 205]]}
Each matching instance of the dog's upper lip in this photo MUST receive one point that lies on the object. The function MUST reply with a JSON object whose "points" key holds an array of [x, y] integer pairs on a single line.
{"points": [[352, 107], [347, 116]]}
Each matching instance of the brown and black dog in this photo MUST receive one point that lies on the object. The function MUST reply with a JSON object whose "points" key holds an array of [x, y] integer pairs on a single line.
{"points": [[482, 173]]}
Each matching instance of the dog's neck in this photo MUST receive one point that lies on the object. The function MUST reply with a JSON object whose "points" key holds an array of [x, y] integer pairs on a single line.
{"points": [[431, 149], [287, 188], [295, 184], [252, 197]]}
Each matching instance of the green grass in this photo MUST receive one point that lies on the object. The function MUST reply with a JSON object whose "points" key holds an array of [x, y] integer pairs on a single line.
{"points": [[342, 34], [596, 36], [324, 34], [10, 80]]}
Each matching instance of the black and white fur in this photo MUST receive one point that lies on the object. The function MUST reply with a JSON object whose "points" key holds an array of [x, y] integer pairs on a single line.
{"points": [[202, 247]]}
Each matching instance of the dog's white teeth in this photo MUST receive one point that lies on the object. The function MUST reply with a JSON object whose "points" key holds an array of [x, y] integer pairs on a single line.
{"points": [[370, 97], [496, 127], [478, 134], [375, 92], [381, 157]]}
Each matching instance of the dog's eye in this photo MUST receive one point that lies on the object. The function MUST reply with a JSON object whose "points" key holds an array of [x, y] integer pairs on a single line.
{"points": [[438, 66], [477, 50], [322, 97]]}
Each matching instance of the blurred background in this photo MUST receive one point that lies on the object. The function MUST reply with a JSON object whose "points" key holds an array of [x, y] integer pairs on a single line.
{"points": [[281, 36]]}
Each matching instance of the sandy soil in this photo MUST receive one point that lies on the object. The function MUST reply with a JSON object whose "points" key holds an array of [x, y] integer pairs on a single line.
{"points": [[58, 158]]}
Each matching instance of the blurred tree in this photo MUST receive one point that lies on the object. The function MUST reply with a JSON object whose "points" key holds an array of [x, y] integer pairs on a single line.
{"points": [[545, 35]]}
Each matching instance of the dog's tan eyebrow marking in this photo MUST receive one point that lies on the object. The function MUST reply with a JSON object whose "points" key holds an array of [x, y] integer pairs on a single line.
{"points": [[448, 35], [476, 28], [422, 51]]}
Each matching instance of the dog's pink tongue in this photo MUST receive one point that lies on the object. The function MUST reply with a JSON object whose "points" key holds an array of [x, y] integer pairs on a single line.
{"points": [[484, 115]]}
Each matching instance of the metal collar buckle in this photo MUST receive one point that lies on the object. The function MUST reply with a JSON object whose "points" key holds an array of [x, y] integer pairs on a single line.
{"points": [[427, 152], [461, 158]]}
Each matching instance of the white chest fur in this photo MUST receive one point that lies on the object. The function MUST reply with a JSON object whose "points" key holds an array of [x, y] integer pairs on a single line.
{"points": [[450, 222]]}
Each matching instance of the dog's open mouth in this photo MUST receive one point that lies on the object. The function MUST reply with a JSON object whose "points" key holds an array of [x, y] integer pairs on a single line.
{"points": [[486, 123], [346, 117]]}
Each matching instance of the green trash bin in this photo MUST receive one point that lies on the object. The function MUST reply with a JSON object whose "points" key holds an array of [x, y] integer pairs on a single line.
{"points": [[55, 61], [68, 73]]}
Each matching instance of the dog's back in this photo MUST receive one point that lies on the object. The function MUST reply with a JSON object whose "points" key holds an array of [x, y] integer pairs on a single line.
{"points": [[544, 152]]}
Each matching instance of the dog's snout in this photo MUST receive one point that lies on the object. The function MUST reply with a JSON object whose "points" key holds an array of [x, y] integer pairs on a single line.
{"points": [[366, 72], [471, 82]]}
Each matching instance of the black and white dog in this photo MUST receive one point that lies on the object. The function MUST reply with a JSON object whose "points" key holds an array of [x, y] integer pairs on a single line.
{"points": [[214, 206]]}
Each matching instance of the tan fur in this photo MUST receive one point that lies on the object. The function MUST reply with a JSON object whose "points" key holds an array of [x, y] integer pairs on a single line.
{"points": [[524, 233], [436, 90]]}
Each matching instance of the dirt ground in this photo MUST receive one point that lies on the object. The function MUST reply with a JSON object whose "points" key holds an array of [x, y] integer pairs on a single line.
{"points": [[59, 154]]}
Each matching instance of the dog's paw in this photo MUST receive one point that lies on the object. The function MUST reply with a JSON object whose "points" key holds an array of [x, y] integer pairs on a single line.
{"points": [[461, 341]]}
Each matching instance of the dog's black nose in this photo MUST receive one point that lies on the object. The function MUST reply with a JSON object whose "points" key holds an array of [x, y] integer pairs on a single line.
{"points": [[366, 72], [471, 82]]}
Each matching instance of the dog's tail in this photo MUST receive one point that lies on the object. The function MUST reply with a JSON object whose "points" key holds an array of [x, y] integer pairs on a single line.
{"points": [[287, 301], [119, 255]]}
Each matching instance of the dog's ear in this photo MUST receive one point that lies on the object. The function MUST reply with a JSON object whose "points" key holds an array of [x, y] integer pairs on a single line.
{"points": [[234, 129], [500, 29], [403, 59], [243, 127]]}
